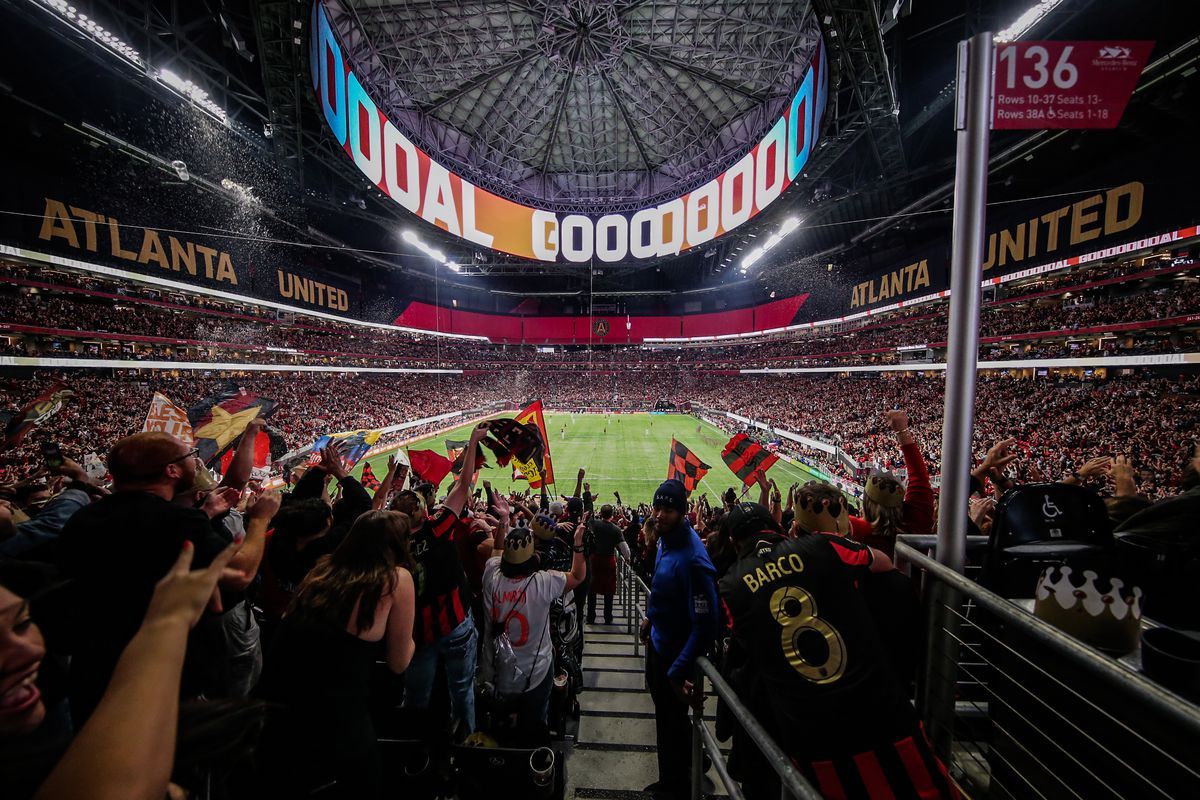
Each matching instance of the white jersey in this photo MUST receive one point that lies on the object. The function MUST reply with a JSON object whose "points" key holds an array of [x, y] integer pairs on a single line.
{"points": [[525, 603]]}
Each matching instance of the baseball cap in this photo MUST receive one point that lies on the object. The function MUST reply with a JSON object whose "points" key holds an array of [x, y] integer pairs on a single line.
{"points": [[747, 519]]}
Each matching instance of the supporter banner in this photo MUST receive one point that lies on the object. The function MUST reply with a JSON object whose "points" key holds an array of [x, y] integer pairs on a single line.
{"points": [[219, 419], [35, 413], [353, 445], [407, 175], [169, 418], [368, 479], [543, 474], [428, 466], [746, 458]]}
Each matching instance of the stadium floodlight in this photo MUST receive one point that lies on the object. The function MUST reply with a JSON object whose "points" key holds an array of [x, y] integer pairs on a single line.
{"points": [[412, 238], [1032, 16], [789, 225], [81, 22], [192, 92]]}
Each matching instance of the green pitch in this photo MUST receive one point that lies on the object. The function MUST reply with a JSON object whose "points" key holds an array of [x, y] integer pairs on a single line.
{"points": [[624, 453]]}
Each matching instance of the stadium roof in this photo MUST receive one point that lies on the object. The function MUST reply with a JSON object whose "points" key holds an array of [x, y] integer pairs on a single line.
{"points": [[581, 105], [650, 107]]}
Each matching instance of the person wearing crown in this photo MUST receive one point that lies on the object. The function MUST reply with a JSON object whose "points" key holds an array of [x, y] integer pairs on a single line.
{"points": [[517, 596], [889, 507]]}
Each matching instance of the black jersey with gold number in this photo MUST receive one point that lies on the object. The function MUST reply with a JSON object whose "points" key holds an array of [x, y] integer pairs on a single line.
{"points": [[797, 613]]}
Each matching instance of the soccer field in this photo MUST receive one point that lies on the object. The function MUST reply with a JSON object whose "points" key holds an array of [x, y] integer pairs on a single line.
{"points": [[626, 453]]}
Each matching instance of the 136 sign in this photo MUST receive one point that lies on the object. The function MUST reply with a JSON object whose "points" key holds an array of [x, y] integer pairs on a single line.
{"points": [[1041, 85]]}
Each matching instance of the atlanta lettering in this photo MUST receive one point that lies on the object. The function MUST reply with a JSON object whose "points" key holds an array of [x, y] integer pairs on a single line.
{"points": [[97, 233]]}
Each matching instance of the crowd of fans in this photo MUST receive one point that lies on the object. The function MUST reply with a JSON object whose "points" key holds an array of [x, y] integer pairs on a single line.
{"points": [[152, 325], [283, 638], [1058, 424]]}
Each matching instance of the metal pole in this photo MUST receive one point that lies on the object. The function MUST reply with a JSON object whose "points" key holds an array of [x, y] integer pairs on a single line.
{"points": [[697, 738], [973, 120]]}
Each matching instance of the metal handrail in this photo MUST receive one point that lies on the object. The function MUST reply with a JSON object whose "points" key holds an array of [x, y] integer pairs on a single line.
{"points": [[794, 784], [1156, 699]]}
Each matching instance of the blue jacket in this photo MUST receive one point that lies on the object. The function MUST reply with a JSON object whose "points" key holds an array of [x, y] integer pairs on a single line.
{"points": [[683, 601], [44, 526]]}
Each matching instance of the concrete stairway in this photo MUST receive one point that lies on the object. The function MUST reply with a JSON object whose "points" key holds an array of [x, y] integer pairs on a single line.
{"points": [[615, 755]]}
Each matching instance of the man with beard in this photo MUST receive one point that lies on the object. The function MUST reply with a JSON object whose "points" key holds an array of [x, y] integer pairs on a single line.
{"points": [[680, 626], [120, 546]]}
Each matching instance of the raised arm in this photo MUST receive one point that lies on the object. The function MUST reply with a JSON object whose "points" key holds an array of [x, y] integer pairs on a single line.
{"points": [[578, 564], [396, 469], [764, 489], [126, 749], [456, 501], [238, 474]]}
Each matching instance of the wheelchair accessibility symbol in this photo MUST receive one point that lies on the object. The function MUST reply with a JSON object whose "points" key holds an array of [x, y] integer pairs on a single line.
{"points": [[1049, 510]]}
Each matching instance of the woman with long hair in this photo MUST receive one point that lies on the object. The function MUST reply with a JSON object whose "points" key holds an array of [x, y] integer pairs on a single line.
{"points": [[355, 605]]}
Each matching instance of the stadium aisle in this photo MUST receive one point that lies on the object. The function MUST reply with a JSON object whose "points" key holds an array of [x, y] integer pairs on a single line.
{"points": [[615, 756]]}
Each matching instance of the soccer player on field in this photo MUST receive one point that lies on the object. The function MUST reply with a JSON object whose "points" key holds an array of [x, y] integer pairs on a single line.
{"points": [[805, 656]]}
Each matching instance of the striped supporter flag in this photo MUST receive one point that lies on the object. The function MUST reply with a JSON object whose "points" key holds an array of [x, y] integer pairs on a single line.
{"points": [[747, 458]]}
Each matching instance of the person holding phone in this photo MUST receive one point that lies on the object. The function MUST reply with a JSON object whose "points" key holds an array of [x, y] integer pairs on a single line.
{"points": [[34, 537]]}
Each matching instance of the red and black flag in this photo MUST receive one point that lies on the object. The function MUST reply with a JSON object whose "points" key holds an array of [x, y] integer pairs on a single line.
{"points": [[428, 466], [368, 480], [685, 466], [454, 449], [218, 420], [747, 458], [34, 413]]}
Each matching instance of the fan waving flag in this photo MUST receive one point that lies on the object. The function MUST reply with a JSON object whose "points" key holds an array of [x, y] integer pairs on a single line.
{"points": [[219, 419], [524, 441], [269, 446], [685, 466], [747, 458]]}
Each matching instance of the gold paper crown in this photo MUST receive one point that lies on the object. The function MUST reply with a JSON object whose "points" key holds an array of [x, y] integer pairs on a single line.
{"points": [[543, 527], [518, 546], [1108, 620], [814, 515], [885, 489]]}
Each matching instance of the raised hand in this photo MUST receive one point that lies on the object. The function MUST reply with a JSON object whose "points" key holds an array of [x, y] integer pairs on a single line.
{"points": [[219, 501], [998, 457], [897, 419], [331, 462], [1094, 467], [264, 505], [183, 593]]}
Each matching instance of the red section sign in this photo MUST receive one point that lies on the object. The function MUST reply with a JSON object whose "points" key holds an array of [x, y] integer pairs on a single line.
{"points": [[1041, 85]]}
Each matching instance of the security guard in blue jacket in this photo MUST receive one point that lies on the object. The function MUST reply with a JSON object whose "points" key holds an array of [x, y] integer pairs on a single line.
{"points": [[680, 625]]}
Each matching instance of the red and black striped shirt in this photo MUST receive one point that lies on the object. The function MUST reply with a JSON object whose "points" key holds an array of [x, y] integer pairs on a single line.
{"points": [[442, 594]]}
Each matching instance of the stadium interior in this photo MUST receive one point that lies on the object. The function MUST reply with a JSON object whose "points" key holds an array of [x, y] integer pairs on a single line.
{"points": [[342, 344]]}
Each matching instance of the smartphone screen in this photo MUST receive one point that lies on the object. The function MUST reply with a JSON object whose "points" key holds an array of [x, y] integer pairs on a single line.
{"points": [[52, 455]]}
